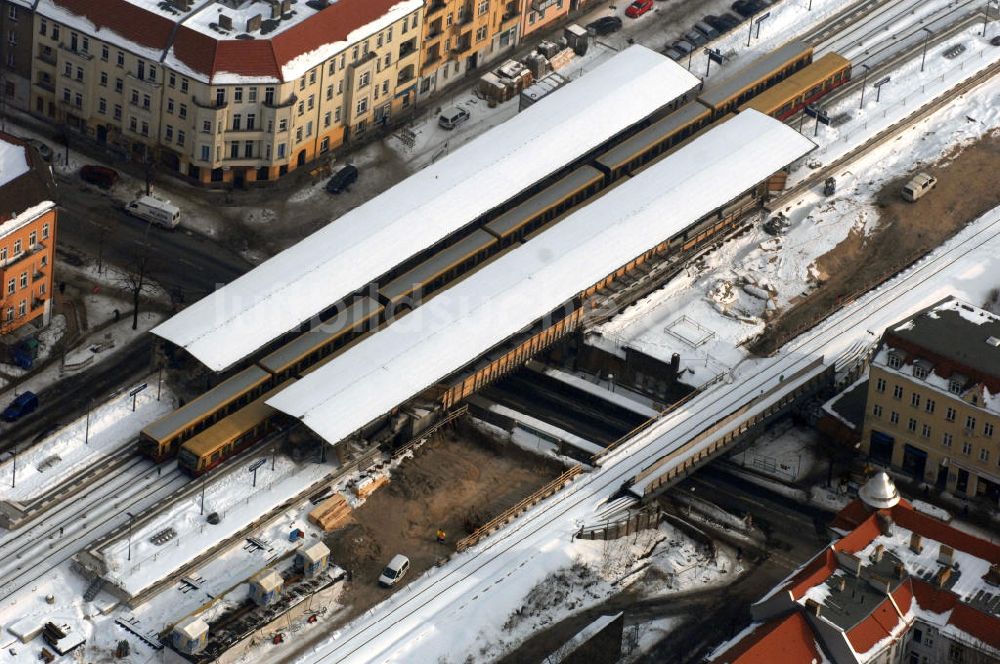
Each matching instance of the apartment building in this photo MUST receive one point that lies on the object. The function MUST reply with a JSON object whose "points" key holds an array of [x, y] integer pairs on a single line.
{"points": [[225, 91], [542, 13], [16, 30], [897, 586], [461, 35], [933, 407], [27, 236]]}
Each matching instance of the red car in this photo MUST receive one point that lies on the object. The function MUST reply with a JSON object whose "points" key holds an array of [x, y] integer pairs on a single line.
{"points": [[638, 8]]}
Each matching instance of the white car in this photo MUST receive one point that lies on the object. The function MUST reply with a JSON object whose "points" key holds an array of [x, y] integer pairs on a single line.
{"points": [[394, 571]]}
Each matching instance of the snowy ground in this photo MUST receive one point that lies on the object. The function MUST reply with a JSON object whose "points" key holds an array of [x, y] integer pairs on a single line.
{"points": [[83, 443], [786, 452]]}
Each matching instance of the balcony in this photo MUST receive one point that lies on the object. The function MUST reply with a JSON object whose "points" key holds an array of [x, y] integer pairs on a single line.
{"points": [[47, 55], [432, 57], [46, 84], [291, 101], [464, 44], [435, 6], [210, 105], [407, 48]]}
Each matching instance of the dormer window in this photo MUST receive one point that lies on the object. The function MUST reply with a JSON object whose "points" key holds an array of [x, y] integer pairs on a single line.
{"points": [[954, 386], [921, 368], [895, 361]]}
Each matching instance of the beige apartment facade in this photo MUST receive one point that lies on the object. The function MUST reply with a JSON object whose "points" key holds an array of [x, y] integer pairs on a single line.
{"points": [[462, 35], [933, 406], [225, 110]]}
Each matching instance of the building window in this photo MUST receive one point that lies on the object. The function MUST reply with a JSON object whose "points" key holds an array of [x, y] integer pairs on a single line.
{"points": [[484, 6], [911, 425], [966, 448], [926, 431], [269, 96], [283, 125], [3, 255], [146, 101], [17, 247], [168, 133], [252, 95], [895, 361], [309, 128], [22, 308], [955, 387], [104, 53], [311, 102], [988, 430], [327, 119], [238, 95], [970, 423], [481, 33], [11, 286], [915, 400], [302, 108], [298, 135], [43, 27], [120, 59], [172, 80], [234, 150], [281, 150], [45, 231], [364, 80], [984, 454], [950, 414], [180, 138], [879, 383], [102, 106], [182, 111], [919, 372], [324, 145], [41, 289], [929, 405], [104, 79], [24, 280], [119, 85], [877, 410], [170, 106], [894, 417], [329, 92], [118, 111], [145, 128], [205, 153], [248, 150], [237, 121], [206, 127], [897, 392], [362, 106], [312, 77], [184, 85]]}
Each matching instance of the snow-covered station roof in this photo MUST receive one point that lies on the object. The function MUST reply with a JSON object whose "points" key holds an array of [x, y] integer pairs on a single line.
{"points": [[508, 295], [418, 212]]}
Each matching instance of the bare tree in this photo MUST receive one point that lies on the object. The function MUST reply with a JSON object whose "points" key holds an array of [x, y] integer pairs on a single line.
{"points": [[135, 280], [149, 168]]}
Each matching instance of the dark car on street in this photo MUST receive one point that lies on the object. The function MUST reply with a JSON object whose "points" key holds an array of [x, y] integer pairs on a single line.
{"points": [[605, 25], [743, 8], [342, 179], [99, 176], [23, 404], [730, 21]]}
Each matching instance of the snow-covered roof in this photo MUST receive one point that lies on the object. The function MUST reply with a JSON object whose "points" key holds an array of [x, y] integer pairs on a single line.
{"points": [[508, 295], [13, 162], [415, 214]]}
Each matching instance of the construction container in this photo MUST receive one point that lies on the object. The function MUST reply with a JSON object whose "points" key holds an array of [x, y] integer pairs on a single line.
{"points": [[312, 560], [189, 636], [577, 38], [265, 587]]}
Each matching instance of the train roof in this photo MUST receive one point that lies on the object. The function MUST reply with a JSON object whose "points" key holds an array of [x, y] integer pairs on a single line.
{"points": [[440, 261], [209, 402], [774, 98], [716, 94], [425, 208], [627, 149], [233, 426], [360, 311], [510, 294], [560, 189]]}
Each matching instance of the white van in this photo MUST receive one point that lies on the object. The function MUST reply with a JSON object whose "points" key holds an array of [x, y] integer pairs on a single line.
{"points": [[155, 211], [919, 185]]}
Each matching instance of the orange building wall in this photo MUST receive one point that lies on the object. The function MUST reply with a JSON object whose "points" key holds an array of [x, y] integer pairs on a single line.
{"points": [[36, 264], [543, 18]]}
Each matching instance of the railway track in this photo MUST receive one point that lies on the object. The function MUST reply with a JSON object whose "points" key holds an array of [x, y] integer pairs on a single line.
{"points": [[28, 554]]}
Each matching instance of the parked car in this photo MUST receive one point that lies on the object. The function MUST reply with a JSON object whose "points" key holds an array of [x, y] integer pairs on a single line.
{"points": [[995, 41], [638, 8], [452, 117], [743, 8], [673, 54], [704, 28], [605, 25], [100, 176], [731, 21], [918, 185], [716, 22], [342, 179], [695, 37], [683, 46], [43, 150], [23, 404], [830, 186], [394, 571]]}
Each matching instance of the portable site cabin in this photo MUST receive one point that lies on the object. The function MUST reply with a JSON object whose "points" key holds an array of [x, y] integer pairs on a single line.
{"points": [[189, 636], [312, 560], [265, 587]]}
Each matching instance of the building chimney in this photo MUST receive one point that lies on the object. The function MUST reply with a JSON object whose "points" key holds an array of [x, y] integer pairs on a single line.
{"points": [[884, 522], [879, 552], [992, 577], [675, 365], [286, 6], [849, 562], [900, 570], [225, 22], [841, 583], [253, 24], [946, 555], [275, 9], [942, 577], [813, 607], [916, 543]]}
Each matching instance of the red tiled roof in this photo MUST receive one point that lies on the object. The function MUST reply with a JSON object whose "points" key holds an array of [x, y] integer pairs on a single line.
{"points": [[972, 621], [938, 530], [815, 572], [130, 21], [881, 622], [788, 640], [261, 57]]}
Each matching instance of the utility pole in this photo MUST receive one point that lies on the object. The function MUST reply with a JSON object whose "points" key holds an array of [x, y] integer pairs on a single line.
{"points": [[923, 56], [864, 81]]}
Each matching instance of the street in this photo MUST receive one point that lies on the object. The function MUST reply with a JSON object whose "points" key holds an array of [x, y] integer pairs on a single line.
{"points": [[91, 224]]}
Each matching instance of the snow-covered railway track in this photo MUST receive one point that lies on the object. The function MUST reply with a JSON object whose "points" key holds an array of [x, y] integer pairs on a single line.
{"points": [[28, 554], [468, 578]]}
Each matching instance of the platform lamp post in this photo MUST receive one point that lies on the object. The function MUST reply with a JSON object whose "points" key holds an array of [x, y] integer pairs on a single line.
{"points": [[13, 475], [750, 31], [131, 519], [864, 81], [713, 54], [923, 56], [758, 21]]}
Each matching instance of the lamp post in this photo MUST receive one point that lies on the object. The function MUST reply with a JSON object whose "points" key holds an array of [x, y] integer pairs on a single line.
{"points": [[923, 56], [864, 81], [13, 476], [878, 87], [713, 54], [759, 21], [131, 519], [750, 32]]}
